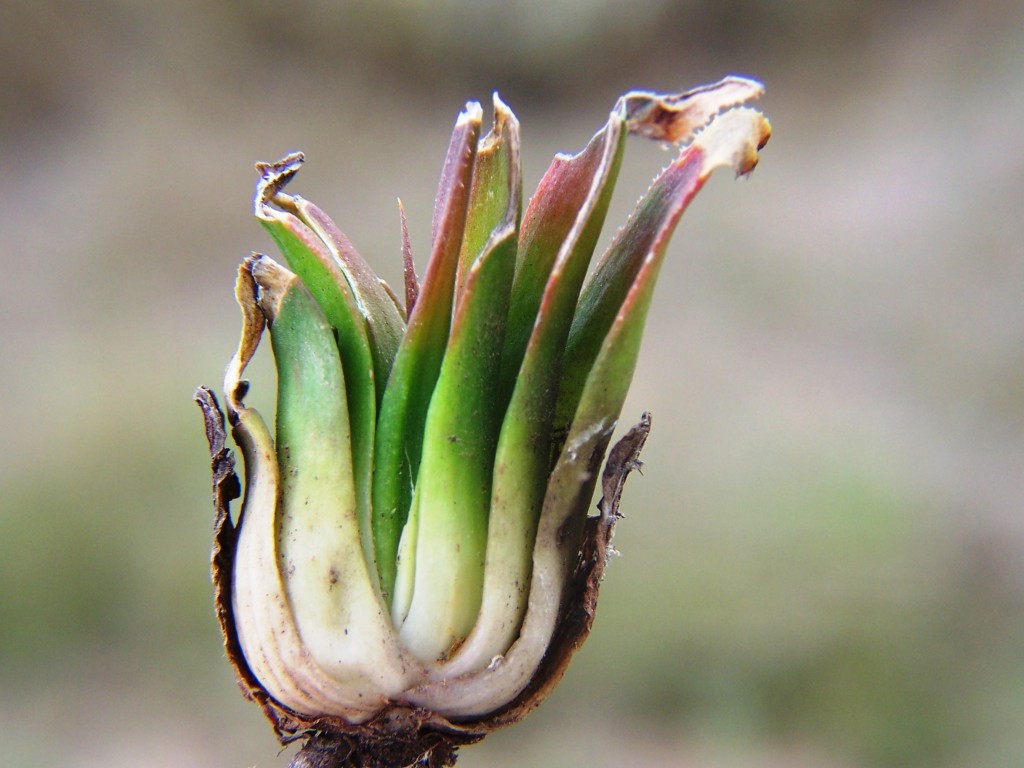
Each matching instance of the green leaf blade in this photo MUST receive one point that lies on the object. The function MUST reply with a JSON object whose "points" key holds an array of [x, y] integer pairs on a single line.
{"points": [[612, 281], [523, 457], [453, 488], [330, 586], [454, 481], [399, 438], [614, 294], [307, 256], [582, 182], [384, 322]]}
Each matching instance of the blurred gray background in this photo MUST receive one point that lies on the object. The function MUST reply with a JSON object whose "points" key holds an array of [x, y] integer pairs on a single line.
{"points": [[823, 564]]}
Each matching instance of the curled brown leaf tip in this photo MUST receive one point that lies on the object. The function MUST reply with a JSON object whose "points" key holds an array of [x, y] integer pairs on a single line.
{"points": [[275, 176], [677, 117]]}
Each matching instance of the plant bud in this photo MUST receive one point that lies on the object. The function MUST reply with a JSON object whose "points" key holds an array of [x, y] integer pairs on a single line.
{"points": [[413, 563]]}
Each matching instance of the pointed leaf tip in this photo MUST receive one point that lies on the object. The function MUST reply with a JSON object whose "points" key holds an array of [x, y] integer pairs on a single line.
{"points": [[412, 284], [461, 151], [495, 201]]}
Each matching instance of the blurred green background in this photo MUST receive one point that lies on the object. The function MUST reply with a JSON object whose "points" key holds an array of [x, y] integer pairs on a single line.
{"points": [[823, 564]]}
